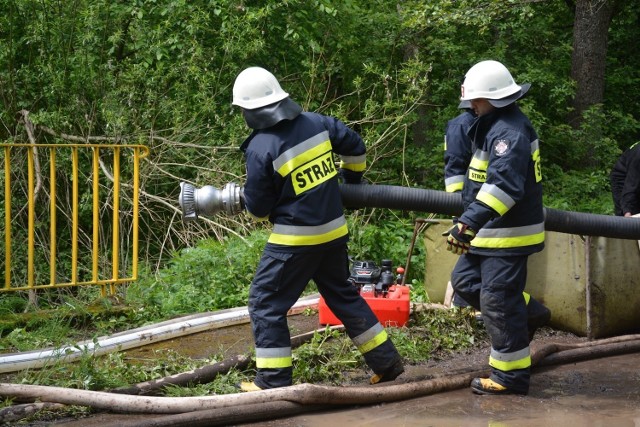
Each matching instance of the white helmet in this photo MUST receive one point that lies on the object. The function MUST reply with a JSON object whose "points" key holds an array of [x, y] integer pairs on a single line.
{"points": [[491, 80], [256, 87]]}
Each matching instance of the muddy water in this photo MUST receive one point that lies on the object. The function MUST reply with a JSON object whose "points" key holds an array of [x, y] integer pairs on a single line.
{"points": [[597, 393], [227, 341]]}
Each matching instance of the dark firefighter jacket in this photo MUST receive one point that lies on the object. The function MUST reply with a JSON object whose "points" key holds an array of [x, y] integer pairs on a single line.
{"points": [[292, 180], [502, 192], [625, 182], [457, 151]]}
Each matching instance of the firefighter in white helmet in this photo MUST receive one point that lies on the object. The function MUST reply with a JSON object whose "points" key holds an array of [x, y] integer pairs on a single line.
{"points": [[457, 156], [502, 224], [292, 181]]}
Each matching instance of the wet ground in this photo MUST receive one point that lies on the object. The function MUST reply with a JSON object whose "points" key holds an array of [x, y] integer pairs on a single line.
{"points": [[601, 392], [598, 392]]}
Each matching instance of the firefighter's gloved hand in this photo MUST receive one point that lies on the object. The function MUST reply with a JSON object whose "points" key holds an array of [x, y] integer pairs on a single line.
{"points": [[459, 239], [350, 177], [455, 224]]}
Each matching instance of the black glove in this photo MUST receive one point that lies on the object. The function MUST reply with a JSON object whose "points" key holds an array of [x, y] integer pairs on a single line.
{"points": [[350, 177], [459, 238]]}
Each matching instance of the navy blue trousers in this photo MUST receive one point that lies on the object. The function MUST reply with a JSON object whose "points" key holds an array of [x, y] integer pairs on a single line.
{"points": [[279, 281], [494, 285]]}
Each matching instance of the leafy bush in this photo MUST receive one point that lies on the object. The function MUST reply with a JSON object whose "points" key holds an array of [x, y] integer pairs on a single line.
{"points": [[212, 275]]}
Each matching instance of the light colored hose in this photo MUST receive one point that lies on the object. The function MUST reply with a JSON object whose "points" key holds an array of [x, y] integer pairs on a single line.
{"points": [[136, 337]]}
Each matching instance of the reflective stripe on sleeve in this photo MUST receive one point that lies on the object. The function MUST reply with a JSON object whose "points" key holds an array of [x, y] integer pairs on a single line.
{"points": [[273, 358], [371, 338], [354, 163], [480, 160], [495, 198], [454, 183]]}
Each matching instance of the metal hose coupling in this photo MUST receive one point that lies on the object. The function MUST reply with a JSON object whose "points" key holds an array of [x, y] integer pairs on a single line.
{"points": [[209, 200]]}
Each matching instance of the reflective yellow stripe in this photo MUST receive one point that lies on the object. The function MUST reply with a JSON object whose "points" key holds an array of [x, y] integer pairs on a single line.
{"points": [[274, 362], [523, 363], [493, 202], [495, 197], [380, 338], [535, 155], [302, 158], [480, 160], [510, 237], [454, 183], [508, 242], [458, 186], [273, 357], [354, 163], [371, 338], [527, 297], [520, 359], [537, 167], [308, 239]]}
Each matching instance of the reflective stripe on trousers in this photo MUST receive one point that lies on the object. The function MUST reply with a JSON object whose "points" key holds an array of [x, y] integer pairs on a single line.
{"points": [[496, 286], [279, 281]]}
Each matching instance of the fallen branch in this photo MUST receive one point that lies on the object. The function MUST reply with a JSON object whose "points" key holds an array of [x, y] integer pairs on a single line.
{"points": [[201, 375], [18, 412], [207, 373]]}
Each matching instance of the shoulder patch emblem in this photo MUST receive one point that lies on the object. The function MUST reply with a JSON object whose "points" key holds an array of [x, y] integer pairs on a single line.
{"points": [[501, 147]]}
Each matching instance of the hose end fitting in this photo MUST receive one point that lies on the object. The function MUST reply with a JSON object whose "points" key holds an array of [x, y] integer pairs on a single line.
{"points": [[209, 200]]}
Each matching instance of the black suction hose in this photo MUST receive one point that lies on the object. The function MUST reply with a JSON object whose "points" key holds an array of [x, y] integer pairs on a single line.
{"points": [[433, 201]]}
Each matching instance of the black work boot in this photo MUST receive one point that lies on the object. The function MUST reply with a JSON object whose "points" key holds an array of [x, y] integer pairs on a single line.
{"points": [[489, 386], [389, 374], [537, 316]]}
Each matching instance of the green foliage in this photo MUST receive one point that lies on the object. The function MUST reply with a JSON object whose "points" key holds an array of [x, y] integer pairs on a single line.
{"points": [[221, 384], [374, 238], [330, 356], [325, 358], [112, 370], [447, 330], [578, 191], [160, 73], [210, 276]]}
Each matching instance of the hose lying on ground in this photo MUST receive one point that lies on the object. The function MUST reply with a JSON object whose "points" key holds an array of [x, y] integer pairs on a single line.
{"points": [[138, 337], [216, 410]]}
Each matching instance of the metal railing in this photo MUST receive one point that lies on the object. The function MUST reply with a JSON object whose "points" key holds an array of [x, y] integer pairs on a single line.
{"points": [[35, 215]]}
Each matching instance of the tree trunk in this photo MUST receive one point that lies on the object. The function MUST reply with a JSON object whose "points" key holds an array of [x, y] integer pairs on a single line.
{"points": [[590, 34]]}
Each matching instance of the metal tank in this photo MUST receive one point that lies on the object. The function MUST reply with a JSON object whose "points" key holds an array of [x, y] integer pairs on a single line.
{"points": [[590, 284]]}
